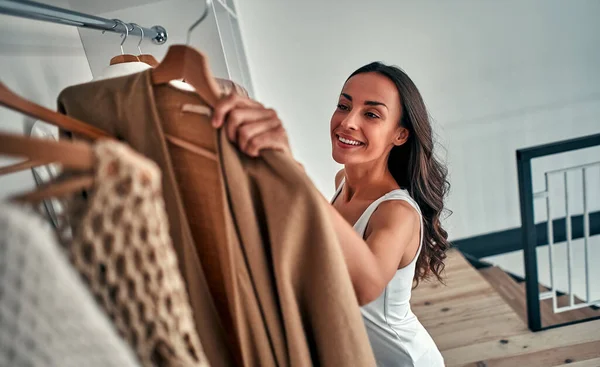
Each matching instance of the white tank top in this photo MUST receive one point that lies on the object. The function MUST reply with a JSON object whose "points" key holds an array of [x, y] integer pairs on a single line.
{"points": [[396, 335]]}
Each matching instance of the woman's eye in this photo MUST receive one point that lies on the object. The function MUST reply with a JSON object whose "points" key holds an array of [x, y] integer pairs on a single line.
{"points": [[371, 115], [342, 107]]}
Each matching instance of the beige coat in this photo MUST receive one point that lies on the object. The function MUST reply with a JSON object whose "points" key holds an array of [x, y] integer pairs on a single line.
{"points": [[266, 276]]}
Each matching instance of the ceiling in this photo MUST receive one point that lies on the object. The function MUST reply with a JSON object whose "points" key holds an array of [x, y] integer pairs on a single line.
{"points": [[97, 7]]}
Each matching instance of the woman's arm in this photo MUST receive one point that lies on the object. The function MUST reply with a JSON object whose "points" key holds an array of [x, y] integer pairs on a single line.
{"points": [[363, 267], [373, 262]]}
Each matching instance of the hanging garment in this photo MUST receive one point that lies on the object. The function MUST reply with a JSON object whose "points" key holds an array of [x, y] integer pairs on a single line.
{"points": [[146, 135], [46, 173], [122, 249], [259, 226], [48, 318]]}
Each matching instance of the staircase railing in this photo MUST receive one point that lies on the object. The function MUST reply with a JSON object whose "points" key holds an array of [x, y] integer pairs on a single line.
{"points": [[529, 235]]}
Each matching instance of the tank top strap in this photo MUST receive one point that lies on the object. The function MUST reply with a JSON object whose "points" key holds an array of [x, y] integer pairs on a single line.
{"points": [[399, 194], [361, 224], [405, 196], [402, 194], [338, 190]]}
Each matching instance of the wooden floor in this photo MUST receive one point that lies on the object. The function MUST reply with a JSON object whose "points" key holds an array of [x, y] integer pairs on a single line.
{"points": [[473, 326], [515, 295]]}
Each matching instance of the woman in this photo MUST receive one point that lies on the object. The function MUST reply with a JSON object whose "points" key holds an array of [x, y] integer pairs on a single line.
{"points": [[391, 189]]}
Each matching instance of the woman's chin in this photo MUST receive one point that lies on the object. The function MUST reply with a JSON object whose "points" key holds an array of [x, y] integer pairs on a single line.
{"points": [[337, 157], [339, 161], [341, 157]]}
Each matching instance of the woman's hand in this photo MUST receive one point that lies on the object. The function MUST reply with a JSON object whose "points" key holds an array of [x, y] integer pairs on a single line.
{"points": [[250, 125]]}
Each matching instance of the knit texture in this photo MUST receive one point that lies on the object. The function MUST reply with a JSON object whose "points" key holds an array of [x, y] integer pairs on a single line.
{"points": [[122, 249], [47, 316]]}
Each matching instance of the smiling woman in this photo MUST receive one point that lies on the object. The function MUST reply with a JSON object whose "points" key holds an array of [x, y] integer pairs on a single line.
{"points": [[389, 200], [392, 189], [360, 119], [381, 123]]}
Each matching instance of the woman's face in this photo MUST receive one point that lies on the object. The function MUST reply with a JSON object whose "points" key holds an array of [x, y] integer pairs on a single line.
{"points": [[365, 125]]}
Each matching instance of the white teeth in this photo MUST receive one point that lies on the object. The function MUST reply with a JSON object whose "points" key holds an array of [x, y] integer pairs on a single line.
{"points": [[347, 141]]}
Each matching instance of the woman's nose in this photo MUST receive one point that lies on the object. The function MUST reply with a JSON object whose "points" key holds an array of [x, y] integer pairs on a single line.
{"points": [[349, 122]]}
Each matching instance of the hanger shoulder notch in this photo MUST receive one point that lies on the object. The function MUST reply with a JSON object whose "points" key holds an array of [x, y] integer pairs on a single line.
{"points": [[184, 62]]}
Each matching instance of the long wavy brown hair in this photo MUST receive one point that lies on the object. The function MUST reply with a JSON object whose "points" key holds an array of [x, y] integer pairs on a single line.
{"points": [[415, 167]]}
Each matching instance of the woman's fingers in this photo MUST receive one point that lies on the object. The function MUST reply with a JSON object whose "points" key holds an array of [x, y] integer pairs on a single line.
{"points": [[270, 145], [275, 138], [251, 126], [250, 130], [229, 103], [222, 108], [239, 117]]}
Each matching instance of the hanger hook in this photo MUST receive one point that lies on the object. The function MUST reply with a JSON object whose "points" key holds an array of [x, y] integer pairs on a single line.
{"points": [[113, 27], [202, 17], [133, 25], [126, 33]]}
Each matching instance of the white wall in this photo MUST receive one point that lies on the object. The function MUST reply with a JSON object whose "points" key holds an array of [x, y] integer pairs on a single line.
{"points": [[496, 75], [37, 60]]}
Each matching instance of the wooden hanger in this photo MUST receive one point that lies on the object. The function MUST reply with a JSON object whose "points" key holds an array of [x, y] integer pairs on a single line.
{"points": [[184, 62], [21, 166], [20, 104], [145, 58], [123, 57], [76, 156], [148, 59], [57, 189]]}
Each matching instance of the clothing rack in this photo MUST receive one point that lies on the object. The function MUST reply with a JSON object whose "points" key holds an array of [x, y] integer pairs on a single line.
{"points": [[44, 12]]}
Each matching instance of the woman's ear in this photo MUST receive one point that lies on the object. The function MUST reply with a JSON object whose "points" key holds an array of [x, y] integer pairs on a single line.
{"points": [[401, 137]]}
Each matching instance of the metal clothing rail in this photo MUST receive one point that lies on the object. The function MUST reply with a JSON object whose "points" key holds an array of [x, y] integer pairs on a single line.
{"points": [[38, 11]]}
